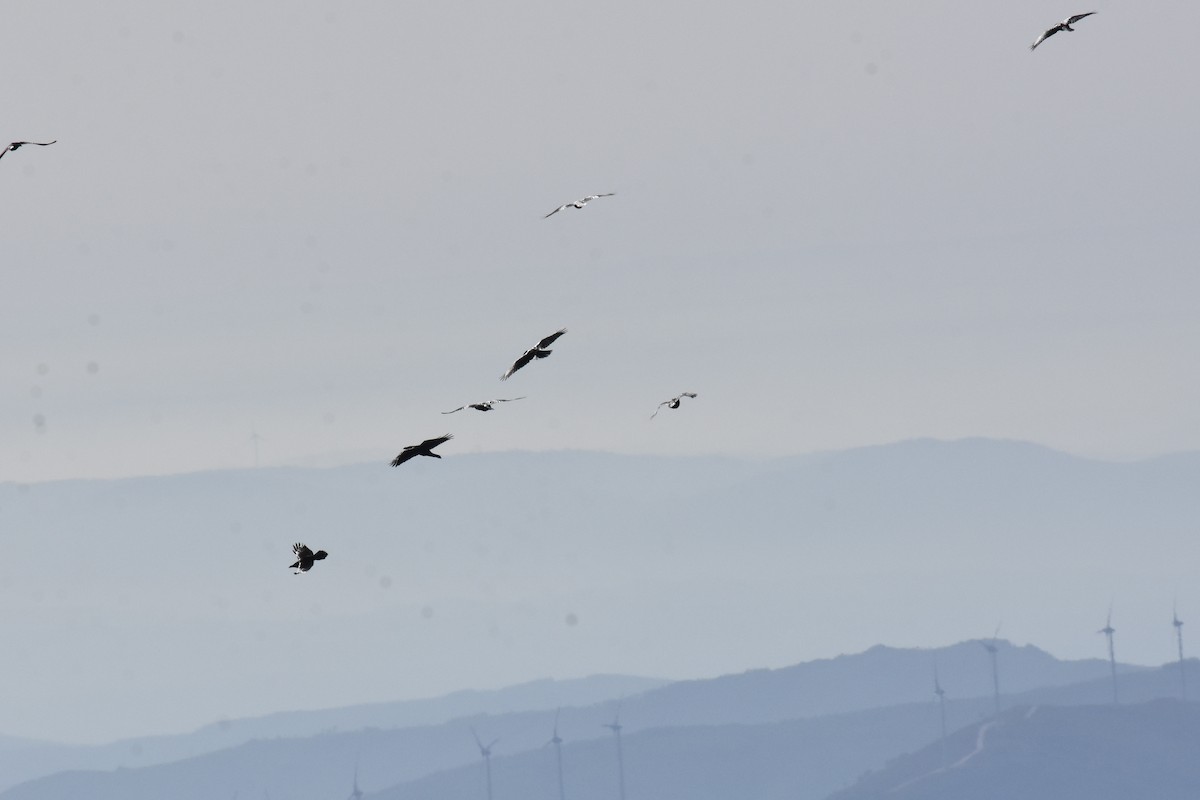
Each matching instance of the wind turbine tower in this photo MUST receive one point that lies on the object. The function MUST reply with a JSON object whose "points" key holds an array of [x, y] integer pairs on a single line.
{"points": [[993, 650], [1178, 623], [357, 793], [254, 440], [941, 696], [615, 727], [557, 741], [1108, 630], [486, 752]]}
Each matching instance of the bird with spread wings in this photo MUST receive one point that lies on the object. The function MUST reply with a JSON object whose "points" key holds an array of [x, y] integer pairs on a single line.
{"points": [[580, 203], [305, 558], [539, 350], [486, 405], [19, 145], [425, 448], [674, 402], [1065, 25]]}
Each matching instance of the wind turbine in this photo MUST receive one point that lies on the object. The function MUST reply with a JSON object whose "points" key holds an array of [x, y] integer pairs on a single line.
{"points": [[1108, 630], [941, 696], [254, 440], [992, 651], [615, 727], [1178, 623], [557, 741], [486, 752], [357, 793]]}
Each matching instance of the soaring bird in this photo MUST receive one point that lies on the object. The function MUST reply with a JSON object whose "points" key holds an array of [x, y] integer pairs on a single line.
{"points": [[537, 351], [486, 405], [672, 403], [578, 203], [305, 558], [1065, 25], [425, 448], [19, 145]]}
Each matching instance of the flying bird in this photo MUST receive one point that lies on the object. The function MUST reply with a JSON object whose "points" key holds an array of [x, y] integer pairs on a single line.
{"points": [[486, 405], [305, 558], [1065, 25], [19, 145], [672, 403], [539, 350], [425, 448], [578, 203]]}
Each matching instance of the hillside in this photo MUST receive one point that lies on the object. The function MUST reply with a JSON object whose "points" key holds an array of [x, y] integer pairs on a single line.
{"points": [[1102, 752], [731, 714], [21, 761]]}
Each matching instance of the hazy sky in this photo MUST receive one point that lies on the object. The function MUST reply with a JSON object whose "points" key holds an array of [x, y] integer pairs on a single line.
{"points": [[840, 223]]}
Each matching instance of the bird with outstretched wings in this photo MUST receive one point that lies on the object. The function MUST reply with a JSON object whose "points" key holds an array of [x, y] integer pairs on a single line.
{"points": [[425, 448], [539, 350], [674, 402], [485, 405], [305, 557], [580, 203], [19, 145], [1065, 25]]}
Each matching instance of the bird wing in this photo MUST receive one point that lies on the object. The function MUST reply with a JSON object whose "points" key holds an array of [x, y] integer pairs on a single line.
{"points": [[660, 405], [506, 399], [525, 358], [555, 211], [301, 550], [549, 340], [405, 455], [460, 408], [429, 444], [1077, 17], [1044, 37], [688, 394], [43, 144]]}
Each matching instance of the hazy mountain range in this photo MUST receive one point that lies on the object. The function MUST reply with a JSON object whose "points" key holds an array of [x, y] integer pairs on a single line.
{"points": [[22, 760], [816, 746], [489, 570]]}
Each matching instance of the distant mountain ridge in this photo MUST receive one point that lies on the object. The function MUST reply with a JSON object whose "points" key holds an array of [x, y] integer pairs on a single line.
{"points": [[881, 676], [717, 713], [778, 560], [21, 760]]}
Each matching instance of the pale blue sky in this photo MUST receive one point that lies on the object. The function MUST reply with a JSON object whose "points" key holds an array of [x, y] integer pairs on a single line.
{"points": [[842, 224]]}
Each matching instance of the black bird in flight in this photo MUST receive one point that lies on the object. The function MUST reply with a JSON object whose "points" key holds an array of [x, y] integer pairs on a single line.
{"points": [[578, 203], [672, 403], [485, 406], [425, 448], [1065, 25], [539, 350], [305, 558], [19, 145]]}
